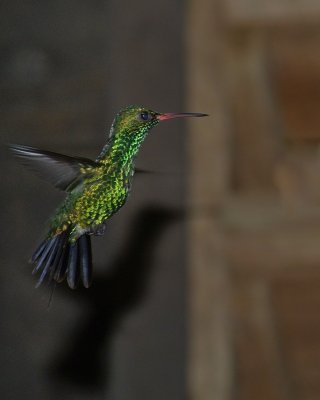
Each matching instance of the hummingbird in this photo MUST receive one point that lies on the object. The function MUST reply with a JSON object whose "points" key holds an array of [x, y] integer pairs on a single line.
{"points": [[95, 191]]}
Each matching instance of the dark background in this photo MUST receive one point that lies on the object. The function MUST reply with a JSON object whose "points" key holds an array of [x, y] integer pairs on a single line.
{"points": [[66, 68], [207, 283]]}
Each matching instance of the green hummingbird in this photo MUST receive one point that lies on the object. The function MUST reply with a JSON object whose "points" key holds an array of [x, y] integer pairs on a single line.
{"points": [[95, 191]]}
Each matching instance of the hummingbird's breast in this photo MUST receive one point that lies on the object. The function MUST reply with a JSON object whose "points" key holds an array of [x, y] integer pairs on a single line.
{"points": [[100, 197]]}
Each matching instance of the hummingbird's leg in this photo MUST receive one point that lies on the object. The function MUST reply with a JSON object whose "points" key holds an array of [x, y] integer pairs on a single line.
{"points": [[98, 230]]}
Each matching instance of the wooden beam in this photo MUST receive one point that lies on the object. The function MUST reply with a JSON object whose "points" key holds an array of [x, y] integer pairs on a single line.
{"points": [[266, 12], [210, 363]]}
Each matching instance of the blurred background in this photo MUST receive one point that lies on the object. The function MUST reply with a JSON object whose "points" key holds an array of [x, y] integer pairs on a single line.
{"points": [[207, 283]]}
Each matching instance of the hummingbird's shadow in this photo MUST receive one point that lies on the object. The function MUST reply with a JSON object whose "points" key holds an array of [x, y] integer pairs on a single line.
{"points": [[84, 362]]}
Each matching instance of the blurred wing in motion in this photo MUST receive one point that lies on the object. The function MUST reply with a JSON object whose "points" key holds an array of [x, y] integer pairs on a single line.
{"points": [[64, 172]]}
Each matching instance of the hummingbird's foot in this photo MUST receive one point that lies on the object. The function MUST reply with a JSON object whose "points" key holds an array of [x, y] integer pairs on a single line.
{"points": [[98, 230]]}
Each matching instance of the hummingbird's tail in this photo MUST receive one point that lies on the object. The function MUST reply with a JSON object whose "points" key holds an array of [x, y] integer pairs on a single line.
{"points": [[58, 258]]}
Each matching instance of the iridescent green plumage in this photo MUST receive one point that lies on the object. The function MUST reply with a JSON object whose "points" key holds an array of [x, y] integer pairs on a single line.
{"points": [[96, 190], [104, 188]]}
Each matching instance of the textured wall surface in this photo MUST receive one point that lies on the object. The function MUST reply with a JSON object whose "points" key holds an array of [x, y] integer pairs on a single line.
{"points": [[254, 251]]}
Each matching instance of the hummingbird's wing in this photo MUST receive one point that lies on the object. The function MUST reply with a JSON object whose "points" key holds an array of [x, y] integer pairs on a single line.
{"points": [[64, 172]]}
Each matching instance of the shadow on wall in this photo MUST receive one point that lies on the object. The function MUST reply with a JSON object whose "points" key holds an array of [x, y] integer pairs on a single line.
{"points": [[82, 363]]}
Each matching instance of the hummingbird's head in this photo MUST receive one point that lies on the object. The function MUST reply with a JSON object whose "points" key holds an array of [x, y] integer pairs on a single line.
{"points": [[130, 127], [139, 120], [134, 120]]}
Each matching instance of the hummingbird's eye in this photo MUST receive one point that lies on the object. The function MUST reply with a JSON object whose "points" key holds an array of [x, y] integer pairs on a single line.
{"points": [[144, 115]]}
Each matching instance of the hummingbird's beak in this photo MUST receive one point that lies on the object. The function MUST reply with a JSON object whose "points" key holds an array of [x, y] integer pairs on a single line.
{"points": [[164, 117]]}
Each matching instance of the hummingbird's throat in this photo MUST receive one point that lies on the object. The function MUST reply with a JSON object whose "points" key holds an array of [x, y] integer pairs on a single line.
{"points": [[124, 147]]}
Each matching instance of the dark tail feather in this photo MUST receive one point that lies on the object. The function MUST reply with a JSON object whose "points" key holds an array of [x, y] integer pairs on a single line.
{"points": [[43, 253], [48, 261], [73, 272], [57, 258], [60, 272], [85, 259]]}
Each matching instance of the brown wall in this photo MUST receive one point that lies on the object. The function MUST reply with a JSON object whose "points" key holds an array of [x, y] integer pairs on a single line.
{"points": [[255, 223]]}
